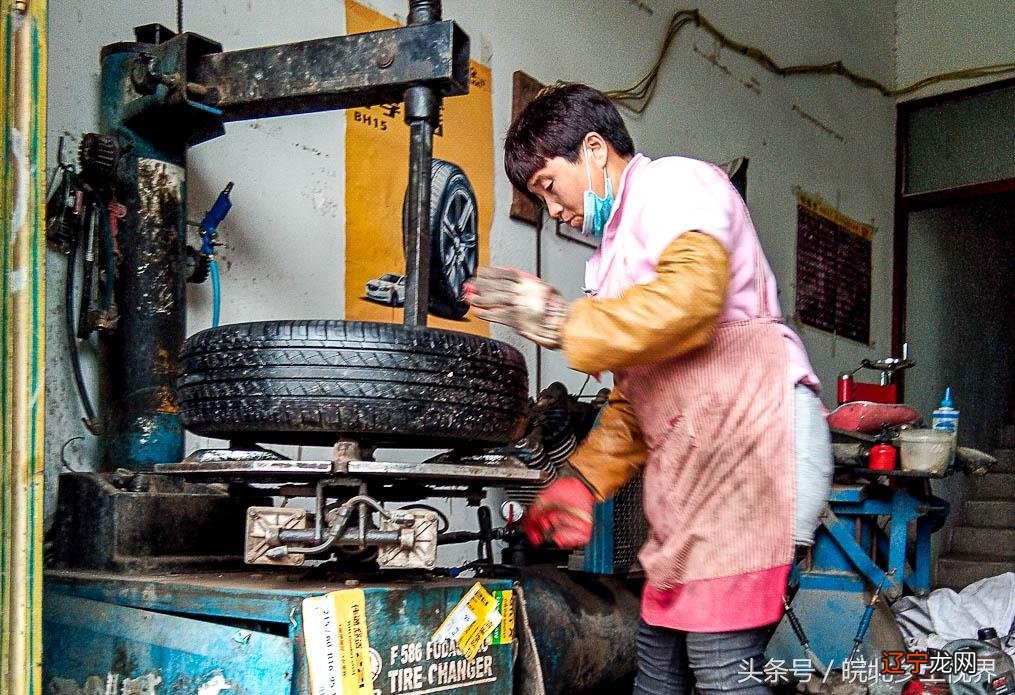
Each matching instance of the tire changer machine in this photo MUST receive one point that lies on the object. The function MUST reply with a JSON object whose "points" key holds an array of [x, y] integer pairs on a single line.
{"points": [[182, 574]]}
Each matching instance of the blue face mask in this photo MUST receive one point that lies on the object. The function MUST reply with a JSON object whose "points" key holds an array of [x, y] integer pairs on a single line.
{"points": [[596, 210]]}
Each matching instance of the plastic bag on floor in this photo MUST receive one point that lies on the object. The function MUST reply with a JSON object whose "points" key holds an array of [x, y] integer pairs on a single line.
{"points": [[945, 615]]}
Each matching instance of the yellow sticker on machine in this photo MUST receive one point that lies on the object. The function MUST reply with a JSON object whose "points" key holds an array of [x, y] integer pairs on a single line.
{"points": [[471, 621], [505, 632], [338, 650]]}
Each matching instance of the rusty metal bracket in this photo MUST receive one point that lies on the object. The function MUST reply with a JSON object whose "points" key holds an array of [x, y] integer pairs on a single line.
{"points": [[190, 75], [340, 72], [347, 450], [263, 527], [164, 102]]}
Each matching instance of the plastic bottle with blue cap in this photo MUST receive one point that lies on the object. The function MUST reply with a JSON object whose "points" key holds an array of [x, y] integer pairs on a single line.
{"points": [[946, 417]]}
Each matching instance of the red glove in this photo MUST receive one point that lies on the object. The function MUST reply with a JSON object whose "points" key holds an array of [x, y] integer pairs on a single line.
{"points": [[562, 514]]}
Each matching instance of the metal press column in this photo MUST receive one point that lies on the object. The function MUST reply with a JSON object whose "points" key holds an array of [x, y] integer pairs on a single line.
{"points": [[422, 107], [140, 354]]}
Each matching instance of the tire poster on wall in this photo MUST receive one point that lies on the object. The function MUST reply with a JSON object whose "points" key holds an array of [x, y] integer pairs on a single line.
{"points": [[377, 173], [833, 270]]}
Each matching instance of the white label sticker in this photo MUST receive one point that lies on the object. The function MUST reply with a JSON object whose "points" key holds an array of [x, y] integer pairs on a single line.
{"points": [[471, 622], [456, 623]]}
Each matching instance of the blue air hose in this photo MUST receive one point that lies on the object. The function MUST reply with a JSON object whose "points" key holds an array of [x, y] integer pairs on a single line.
{"points": [[216, 292]]}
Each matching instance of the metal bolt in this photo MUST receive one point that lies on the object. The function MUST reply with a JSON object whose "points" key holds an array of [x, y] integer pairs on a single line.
{"points": [[385, 57], [196, 91], [144, 74]]}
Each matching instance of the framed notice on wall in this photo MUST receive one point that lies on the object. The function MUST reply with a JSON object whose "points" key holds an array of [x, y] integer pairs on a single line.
{"points": [[833, 270]]}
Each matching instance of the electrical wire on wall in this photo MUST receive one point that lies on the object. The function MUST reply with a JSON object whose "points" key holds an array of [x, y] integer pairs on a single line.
{"points": [[72, 212], [638, 97]]}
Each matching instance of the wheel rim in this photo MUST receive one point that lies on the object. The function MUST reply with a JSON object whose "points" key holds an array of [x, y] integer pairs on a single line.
{"points": [[458, 240]]}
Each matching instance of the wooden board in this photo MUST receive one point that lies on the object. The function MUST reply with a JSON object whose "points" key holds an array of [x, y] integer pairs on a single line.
{"points": [[524, 89]]}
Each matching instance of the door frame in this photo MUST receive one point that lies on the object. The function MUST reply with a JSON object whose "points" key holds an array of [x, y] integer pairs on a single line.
{"points": [[906, 203]]}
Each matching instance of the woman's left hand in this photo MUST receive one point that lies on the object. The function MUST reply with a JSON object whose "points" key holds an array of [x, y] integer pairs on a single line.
{"points": [[533, 308]]}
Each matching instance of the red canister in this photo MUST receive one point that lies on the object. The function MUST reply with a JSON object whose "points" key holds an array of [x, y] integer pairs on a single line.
{"points": [[845, 388], [882, 457]]}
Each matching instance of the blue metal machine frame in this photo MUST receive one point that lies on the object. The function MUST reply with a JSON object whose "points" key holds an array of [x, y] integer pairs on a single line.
{"points": [[864, 536], [242, 632], [618, 531], [840, 550]]}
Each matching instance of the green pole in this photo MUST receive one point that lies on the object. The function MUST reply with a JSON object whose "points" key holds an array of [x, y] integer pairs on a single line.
{"points": [[22, 335]]}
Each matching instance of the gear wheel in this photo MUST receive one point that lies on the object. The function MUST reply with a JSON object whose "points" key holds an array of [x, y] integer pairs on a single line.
{"points": [[198, 266], [97, 155]]}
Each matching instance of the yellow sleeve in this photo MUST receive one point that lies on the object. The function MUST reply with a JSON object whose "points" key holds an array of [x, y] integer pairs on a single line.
{"points": [[671, 315], [614, 451]]}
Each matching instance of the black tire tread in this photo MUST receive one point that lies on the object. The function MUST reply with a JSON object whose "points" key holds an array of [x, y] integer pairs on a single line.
{"points": [[309, 381]]}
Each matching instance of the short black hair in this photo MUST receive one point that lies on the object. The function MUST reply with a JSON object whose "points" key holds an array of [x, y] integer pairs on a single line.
{"points": [[554, 125]]}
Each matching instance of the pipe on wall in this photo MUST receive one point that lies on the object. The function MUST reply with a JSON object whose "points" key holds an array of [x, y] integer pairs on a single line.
{"points": [[22, 334]]}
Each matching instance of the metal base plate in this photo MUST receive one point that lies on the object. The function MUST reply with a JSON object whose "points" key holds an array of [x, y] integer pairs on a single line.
{"points": [[485, 469], [261, 521]]}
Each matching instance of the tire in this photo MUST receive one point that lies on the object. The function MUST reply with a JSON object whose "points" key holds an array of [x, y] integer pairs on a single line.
{"points": [[309, 382], [454, 238]]}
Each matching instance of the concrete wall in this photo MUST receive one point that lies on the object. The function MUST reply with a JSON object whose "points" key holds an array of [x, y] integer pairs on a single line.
{"points": [[285, 234], [936, 36]]}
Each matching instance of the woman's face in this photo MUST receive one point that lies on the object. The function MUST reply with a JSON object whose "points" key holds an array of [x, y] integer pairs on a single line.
{"points": [[561, 184]]}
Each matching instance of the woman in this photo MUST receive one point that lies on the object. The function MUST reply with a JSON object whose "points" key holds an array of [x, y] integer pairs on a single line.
{"points": [[714, 396]]}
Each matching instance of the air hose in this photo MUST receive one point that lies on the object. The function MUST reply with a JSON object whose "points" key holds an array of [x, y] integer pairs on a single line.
{"points": [[209, 228]]}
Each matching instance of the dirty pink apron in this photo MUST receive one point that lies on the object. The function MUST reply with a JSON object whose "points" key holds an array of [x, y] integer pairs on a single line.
{"points": [[719, 480]]}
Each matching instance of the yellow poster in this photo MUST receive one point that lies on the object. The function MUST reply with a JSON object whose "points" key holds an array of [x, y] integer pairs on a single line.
{"points": [[338, 649], [377, 172]]}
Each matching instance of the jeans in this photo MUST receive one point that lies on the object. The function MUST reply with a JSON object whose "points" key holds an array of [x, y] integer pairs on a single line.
{"points": [[671, 662]]}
